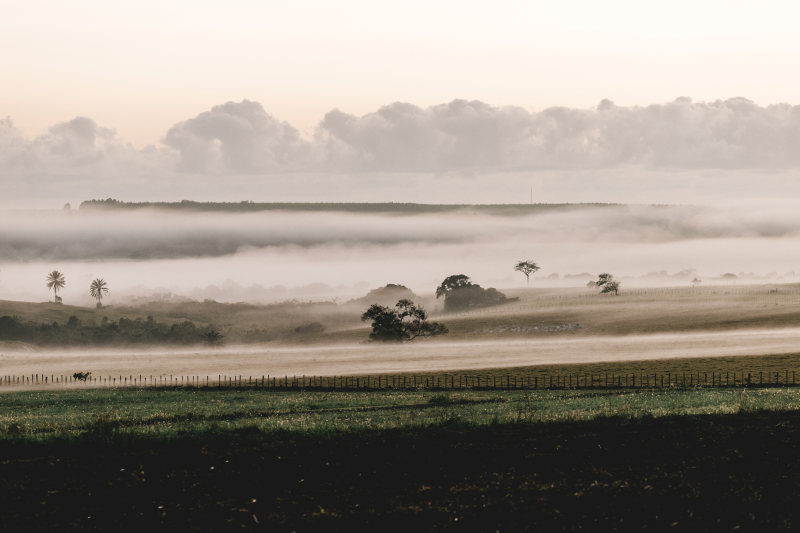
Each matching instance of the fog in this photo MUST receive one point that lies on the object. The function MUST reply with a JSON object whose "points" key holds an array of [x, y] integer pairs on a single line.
{"points": [[276, 255], [349, 359]]}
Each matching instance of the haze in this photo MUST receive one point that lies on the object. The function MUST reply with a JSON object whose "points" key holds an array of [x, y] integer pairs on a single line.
{"points": [[452, 103], [274, 255]]}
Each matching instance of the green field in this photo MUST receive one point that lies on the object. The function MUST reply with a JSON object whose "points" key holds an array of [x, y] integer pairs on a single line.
{"points": [[130, 414], [212, 460], [78, 458]]}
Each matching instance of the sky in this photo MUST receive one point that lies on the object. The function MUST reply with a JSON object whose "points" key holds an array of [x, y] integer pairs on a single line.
{"points": [[463, 102], [682, 102], [140, 67]]}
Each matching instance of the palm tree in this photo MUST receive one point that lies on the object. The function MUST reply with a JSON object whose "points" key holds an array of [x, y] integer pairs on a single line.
{"points": [[55, 281], [97, 289]]}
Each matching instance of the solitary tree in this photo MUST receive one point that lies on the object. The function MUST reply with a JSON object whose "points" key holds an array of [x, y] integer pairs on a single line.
{"points": [[607, 283], [97, 290], [404, 322], [527, 267], [55, 281]]}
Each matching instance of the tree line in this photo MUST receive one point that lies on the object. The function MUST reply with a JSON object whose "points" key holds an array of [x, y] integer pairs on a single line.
{"points": [[123, 331]]}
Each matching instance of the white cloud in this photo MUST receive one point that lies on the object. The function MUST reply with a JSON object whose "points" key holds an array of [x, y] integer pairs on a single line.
{"points": [[733, 133], [77, 148], [607, 153], [237, 137]]}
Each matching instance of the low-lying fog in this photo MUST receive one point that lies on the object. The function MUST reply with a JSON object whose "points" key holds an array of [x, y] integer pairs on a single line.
{"points": [[278, 255], [349, 359]]}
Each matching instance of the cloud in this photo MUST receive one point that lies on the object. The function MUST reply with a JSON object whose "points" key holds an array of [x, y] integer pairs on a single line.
{"points": [[474, 136], [77, 148], [461, 135], [402, 137], [237, 137], [240, 140]]}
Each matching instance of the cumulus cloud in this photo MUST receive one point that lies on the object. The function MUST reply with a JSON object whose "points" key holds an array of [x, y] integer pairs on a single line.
{"points": [[403, 137], [243, 139], [237, 137], [733, 133], [474, 136], [79, 147]]}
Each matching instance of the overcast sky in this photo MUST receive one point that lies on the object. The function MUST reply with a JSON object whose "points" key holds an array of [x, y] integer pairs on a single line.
{"points": [[160, 100]]}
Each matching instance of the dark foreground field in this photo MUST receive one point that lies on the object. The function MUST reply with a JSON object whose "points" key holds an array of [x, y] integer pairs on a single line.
{"points": [[430, 469]]}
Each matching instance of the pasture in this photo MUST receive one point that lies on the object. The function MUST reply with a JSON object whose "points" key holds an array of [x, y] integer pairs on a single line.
{"points": [[545, 327], [293, 452], [211, 460]]}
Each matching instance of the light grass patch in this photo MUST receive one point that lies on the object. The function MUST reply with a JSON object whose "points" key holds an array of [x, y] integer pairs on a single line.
{"points": [[129, 414]]}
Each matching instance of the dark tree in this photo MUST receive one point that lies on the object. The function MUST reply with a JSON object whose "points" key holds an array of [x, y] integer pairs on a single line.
{"points": [[213, 337], [460, 293], [404, 322], [527, 267], [451, 283], [607, 283]]}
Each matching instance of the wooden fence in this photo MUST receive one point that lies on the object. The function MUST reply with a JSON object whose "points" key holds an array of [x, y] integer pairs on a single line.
{"points": [[683, 380]]}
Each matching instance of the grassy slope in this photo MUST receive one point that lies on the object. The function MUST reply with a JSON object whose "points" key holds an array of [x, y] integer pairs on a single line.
{"points": [[635, 311], [552, 461]]}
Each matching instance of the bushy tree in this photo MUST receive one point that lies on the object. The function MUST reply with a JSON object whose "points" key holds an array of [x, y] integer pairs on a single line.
{"points": [[460, 293], [527, 267], [607, 283], [404, 322], [452, 283]]}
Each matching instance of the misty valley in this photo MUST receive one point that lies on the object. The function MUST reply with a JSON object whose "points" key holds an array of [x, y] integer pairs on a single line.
{"points": [[252, 364], [399, 267]]}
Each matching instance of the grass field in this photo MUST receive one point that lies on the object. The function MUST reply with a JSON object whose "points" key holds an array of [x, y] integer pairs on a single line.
{"points": [[126, 459], [216, 459], [130, 414]]}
